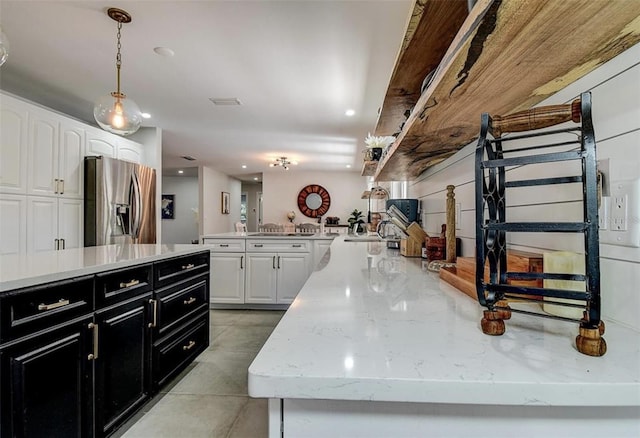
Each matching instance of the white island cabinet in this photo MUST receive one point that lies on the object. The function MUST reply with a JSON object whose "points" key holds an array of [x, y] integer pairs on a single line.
{"points": [[253, 270], [377, 346], [276, 270]]}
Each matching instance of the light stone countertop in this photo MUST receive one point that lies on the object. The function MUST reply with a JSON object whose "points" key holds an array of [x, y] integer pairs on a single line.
{"points": [[373, 325], [18, 271]]}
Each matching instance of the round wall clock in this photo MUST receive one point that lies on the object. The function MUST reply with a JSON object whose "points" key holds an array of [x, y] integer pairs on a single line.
{"points": [[314, 201]]}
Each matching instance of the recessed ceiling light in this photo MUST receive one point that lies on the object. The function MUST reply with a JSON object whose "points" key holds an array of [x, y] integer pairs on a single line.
{"points": [[180, 171], [255, 178], [350, 112], [348, 166], [228, 101], [188, 157], [164, 51], [244, 166], [145, 115]]}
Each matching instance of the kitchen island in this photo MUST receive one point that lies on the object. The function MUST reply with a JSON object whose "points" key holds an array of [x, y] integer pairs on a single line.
{"points": [[375, 345], [23, 270], [89, 335]]}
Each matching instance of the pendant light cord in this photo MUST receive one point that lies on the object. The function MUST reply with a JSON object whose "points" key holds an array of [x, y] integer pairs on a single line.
{"points": [[118, 58]]}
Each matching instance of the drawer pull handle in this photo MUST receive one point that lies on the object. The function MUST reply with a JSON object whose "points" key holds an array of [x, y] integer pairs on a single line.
{"points": [[258, 245], [297, 245], [130, 284], [189, 301], [189, 346], [224, 245], [189, 266], [96, 338], [154, 303], [51, 306]]}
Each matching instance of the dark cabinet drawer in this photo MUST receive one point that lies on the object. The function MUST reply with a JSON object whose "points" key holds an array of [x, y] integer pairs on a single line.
{"points": [[29, 310], [173, 353], [115, 286], [180, 268], [181, 301]]}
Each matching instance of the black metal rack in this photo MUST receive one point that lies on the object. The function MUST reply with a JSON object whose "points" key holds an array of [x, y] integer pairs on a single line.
{"points": [[492, 226]]}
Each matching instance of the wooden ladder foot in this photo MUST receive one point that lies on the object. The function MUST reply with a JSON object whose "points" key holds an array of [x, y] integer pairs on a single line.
{"points": [[492, 323], [504, 313], [590, 341]]}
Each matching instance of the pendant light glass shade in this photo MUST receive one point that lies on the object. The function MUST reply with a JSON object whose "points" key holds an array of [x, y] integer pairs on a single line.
{"points": [[114, 112], [117, 114]]}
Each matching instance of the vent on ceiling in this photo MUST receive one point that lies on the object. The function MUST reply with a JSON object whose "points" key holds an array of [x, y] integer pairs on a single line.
{"points": [[225, 100], [188, 158]]}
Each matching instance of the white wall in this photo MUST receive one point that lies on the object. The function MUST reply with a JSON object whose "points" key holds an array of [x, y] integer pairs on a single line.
{"points": [[211, 184], [616, 116], [183, 228], [281, 188]]}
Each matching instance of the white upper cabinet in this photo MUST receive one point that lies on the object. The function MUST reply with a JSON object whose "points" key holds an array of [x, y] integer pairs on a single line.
{"points": [[56, 153], [13, 145], [71, 159], [129, 150], [43, 153], [101, 143]]}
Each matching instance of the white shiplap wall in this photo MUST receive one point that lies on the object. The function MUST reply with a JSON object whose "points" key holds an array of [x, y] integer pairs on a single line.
{"points": [[615, 89]]}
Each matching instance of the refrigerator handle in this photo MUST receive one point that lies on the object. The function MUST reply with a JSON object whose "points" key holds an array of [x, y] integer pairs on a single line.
{"points": [[136, 206]]}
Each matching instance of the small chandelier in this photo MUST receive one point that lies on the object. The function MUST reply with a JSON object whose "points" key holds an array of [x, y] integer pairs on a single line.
{"points": [[283, 162], [114, 112]]}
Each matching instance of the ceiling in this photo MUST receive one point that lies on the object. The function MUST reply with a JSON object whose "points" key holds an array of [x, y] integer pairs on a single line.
{"points": [[296, 66]]}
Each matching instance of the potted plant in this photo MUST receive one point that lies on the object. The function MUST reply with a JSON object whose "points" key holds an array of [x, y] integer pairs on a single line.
{"points": [[356, 218], [375, 146]]}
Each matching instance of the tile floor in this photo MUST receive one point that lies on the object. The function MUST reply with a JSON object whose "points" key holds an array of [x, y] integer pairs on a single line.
{"points": [[209, 399]]}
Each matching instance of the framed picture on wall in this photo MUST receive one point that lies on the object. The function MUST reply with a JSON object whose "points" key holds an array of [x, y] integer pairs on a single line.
{"points": [[168, 206], [226, 200]]}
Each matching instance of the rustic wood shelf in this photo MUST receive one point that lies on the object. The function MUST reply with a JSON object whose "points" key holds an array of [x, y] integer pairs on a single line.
{"points": [[369, 168], [507, 56], [432, 27]]}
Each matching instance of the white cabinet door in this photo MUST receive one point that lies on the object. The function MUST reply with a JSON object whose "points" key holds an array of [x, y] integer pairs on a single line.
{"points": [[13, 224], [261, 278], [71, 159], [293, 271], [129, 151], [43, 153], [100, 143], [227, 278], [70, 223], [14, 119], [42, 223]]}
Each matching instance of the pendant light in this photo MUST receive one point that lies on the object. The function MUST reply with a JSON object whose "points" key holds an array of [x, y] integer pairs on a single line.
{"points": [[115, 112]]}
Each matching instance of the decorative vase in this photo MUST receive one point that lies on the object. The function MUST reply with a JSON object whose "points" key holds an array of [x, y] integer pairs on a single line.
{"points": [[372, 154]]}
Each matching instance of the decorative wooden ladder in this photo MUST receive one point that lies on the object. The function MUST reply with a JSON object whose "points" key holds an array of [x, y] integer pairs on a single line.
{"points": [[492, 226]]}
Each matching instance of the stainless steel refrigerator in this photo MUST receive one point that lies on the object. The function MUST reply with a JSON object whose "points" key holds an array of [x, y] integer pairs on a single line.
{"points": [[119, 202]]}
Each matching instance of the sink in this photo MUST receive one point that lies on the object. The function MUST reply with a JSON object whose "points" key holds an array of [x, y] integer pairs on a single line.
{"points": [[362, 239]]}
